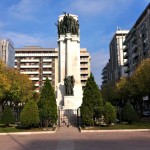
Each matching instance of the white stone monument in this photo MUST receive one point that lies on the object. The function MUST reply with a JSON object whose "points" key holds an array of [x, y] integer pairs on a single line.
{"points": [[69, 61]]}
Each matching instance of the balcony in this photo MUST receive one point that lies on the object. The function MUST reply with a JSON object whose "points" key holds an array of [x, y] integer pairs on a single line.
{"points": [[34, 78], [47, 60], [134, 38], [134, 47], [127, 70], [83, 60], [104, 77], [47, 72], [84, 54], [50, 78], [135, 55], [29, 66], [125, 56], [83, 66], [84, 77], [30, 60], [84, 72], [125, 49], [36, 84], [126, 63], [47, 66], [30, 72]]}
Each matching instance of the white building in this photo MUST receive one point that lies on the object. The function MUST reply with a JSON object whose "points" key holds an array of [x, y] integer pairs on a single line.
{"points": [[117, 68], [7, 52]]}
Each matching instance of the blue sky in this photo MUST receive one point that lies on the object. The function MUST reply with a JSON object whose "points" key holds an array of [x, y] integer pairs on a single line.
{"points": [[32, 22]]}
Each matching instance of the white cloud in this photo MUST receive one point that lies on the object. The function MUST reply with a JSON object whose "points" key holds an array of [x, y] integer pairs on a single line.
{"points": [[21, 40], [26, 9], [93, 7], [98, 61]]}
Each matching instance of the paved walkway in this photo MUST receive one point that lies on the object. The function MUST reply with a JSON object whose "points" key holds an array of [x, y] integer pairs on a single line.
{"points": [[66, 140], [71, 139], [67, 130]]}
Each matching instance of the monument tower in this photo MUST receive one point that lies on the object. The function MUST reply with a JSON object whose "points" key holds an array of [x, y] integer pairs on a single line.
{"points": [[69, 89]]}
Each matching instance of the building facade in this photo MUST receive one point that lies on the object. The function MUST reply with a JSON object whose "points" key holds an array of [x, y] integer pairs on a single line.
{"points": [[7, 52], [85, 67], [116, 62], [105, 75], [39, 63], [137, 43]]}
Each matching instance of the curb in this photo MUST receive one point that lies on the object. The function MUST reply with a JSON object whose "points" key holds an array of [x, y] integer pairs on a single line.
{"points": [[29, 133], [125, 130]]}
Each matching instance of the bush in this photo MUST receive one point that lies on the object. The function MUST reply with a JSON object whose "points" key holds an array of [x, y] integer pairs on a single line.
{"points": [[7, 116], [110, 113], [29, 115], [86, 116], [129, 114]]}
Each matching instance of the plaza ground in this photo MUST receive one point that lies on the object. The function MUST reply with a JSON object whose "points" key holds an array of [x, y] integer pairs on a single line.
{"points": [[71, 139]]}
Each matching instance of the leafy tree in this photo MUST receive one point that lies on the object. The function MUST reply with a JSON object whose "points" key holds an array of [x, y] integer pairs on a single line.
{"points": [[4, 81], [92, 99], [29, 115], [7, 116], [110, 113], [109, 94], [129, 113], [47, 104], [141, 77], [21, 87]]}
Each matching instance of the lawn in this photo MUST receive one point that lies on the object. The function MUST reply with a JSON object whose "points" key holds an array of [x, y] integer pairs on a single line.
{"points": [[12, 128], [137, 125]]}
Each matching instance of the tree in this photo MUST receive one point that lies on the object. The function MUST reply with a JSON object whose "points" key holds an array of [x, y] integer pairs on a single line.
{"points": [[29, 115], [109, 94], [129, 113], [92, 99], [87, 116], [47, 104], [4, 81], [142, 77], [110, 113], [21, 87], [7, 116]]}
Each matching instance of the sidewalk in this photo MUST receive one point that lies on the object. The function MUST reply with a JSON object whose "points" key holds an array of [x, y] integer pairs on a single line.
{"points": [[65, 129]]}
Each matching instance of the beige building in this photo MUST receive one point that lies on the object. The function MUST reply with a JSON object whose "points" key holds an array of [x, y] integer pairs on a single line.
{"points": [[7, 52], [85, 67], [138, 42], [40, 63]]}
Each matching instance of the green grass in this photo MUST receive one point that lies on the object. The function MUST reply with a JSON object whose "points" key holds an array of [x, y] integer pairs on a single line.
{"points": [[137, 125], [4, 129]]}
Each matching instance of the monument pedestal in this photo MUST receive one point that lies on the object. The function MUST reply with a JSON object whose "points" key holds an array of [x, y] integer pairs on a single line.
{"points": [[69, 102], [72, 102]]}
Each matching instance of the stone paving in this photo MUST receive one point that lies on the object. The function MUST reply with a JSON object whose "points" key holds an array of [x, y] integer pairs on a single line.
{"points": [[71, 139]]}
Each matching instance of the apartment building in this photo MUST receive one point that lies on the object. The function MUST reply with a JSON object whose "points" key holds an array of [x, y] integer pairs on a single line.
{"points": [[40, 63], [105, 75], [138, 42], [7, 52], [117, 68], [85, 60]]}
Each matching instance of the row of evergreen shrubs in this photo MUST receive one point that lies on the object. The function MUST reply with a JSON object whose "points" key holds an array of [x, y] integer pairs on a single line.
{"points": [[93, 107], [33, 113]]}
